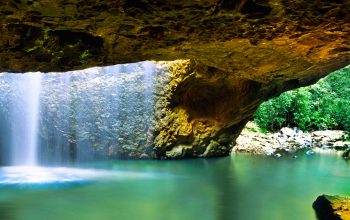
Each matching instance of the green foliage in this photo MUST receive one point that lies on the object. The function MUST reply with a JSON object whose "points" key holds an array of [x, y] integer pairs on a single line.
{"points": [[325, 105], [85, 55]]}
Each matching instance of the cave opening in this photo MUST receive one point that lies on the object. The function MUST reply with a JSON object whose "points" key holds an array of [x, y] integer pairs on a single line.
{"points": [[312, 118]]}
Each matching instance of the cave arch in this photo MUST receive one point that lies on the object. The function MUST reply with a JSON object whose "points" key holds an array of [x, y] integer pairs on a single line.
{"points": [[245, 52]]}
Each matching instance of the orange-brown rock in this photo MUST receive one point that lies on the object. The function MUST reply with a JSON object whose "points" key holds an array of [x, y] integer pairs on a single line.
{"points": [[239, 53], [332, 207]]}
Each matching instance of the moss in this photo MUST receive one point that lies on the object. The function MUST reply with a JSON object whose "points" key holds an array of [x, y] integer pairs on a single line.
{"points": [[46, 33], [58, 54], [31, 49], [85, 55]]}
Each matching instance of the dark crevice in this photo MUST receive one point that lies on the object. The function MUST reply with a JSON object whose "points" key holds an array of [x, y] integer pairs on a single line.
{"points": [[252, 9]]}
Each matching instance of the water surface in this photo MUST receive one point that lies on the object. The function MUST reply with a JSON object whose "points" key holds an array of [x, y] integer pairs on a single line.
{"points": [[238, 187]]}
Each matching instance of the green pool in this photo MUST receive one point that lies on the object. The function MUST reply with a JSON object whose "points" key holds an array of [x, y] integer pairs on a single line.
{"points": [[239, 187]]}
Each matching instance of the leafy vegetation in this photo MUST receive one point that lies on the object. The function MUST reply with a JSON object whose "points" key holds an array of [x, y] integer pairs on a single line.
{"points": [[325, 105]]}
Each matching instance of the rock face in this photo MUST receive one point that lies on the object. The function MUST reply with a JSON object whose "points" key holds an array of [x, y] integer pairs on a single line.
{"points": [[199, 115], [235, 54], [332, 207]]}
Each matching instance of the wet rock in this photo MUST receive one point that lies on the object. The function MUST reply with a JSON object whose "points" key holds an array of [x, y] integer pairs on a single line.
{"points": [[278, 155], [346, 154], [332, 207], [179, 151], [145, 157], [341, 145], [310, 152]]}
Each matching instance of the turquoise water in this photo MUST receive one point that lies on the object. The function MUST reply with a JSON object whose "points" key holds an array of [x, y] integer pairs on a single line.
{"points": [[238, 187]]}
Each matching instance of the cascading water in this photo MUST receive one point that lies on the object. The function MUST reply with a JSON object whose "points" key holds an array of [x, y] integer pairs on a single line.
{"points": [[92, 114], [24, 120]]}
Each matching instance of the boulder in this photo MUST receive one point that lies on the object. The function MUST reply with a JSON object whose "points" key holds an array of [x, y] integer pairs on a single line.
{"points": [[329, 135], [346, 154], [288, 132], [341, 145], [332, 207]]}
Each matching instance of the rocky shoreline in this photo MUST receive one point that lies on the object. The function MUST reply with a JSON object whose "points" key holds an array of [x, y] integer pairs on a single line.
{"points": [[289, 141]]}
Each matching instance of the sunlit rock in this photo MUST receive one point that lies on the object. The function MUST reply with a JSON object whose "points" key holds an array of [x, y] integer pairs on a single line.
{"points": [[332, 207]]}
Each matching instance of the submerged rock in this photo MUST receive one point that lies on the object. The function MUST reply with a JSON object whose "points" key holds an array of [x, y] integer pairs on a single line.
{"points": [[310, 152], [332, 207], [278, 155]]}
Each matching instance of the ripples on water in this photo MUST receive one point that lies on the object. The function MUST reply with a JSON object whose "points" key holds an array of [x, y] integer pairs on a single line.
{"points": [[239, 187]]}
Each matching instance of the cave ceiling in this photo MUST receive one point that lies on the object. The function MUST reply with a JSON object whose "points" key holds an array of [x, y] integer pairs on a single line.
{"points": [[259, 39]]}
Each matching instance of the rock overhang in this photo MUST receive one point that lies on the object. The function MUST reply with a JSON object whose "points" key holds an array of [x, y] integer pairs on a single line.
{"points": [[239, 53]]}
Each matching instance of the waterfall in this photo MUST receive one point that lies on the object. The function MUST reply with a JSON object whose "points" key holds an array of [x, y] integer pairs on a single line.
{"points": [[78, 116], [25, 115]]}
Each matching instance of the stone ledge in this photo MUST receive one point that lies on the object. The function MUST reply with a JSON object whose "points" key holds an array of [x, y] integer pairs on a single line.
{"points": [[332, 207]]}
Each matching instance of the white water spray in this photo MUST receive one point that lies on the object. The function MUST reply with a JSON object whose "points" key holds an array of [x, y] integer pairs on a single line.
{"points": [[83, 115], [25, 121]]}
